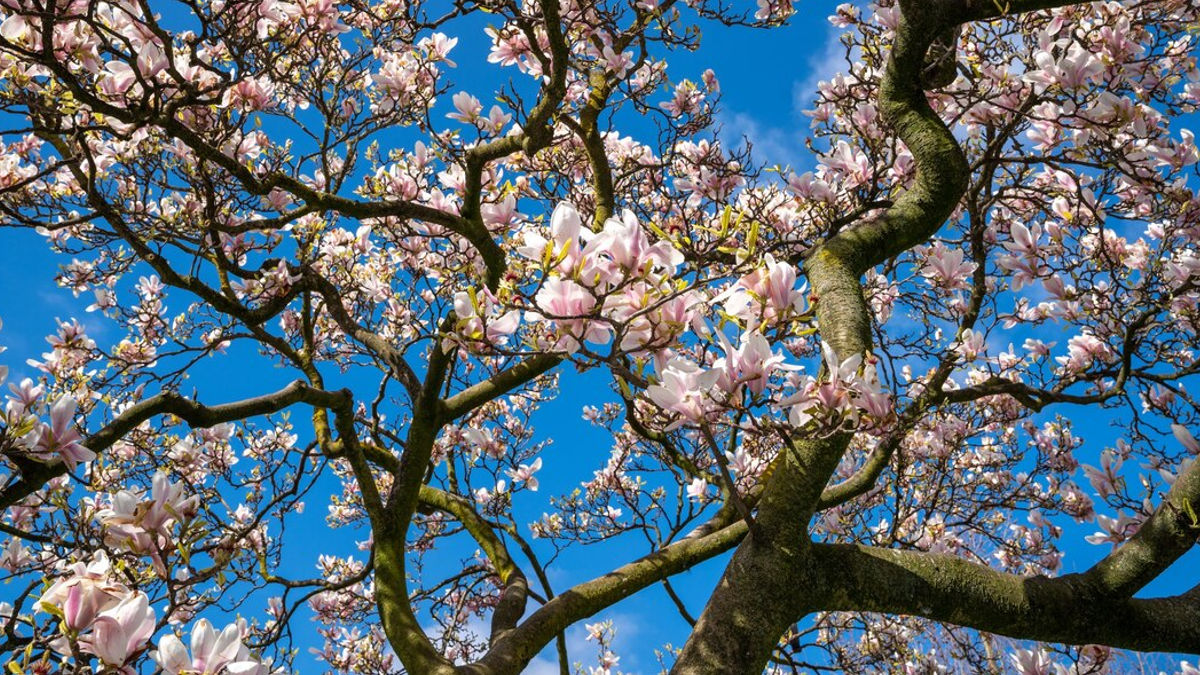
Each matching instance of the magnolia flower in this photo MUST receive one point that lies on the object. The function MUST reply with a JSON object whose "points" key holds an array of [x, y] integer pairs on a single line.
{"points": [[1114, 530], [971, 344], [501, 213], [467, 108], [871, 397], [117, 78], [1071, 71], [1024, 259], [596, 631], [742, 463], [132, 519], [484, 495], [618, 64], [80, 597], [1082, 351], [562, 302], [697, 489], [845, 370], [684, 389], [1032, 662], [563, 249], [477, 318], [841, 396], [15, 555], [438, 47], [752, 363], [625, 244], [1185, 437], [1106, 478], [524, 474], [495, 121], [121, 631], [767, 294], [850, 163], [211, 652], [945, 268], [17, 30], [59, 440]]}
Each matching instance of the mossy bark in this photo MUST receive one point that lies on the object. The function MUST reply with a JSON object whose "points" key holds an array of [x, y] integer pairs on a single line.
{"points": [[773, 579]]}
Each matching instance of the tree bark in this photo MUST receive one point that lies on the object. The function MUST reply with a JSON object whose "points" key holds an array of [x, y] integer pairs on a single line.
{"points": [[773, 579]]}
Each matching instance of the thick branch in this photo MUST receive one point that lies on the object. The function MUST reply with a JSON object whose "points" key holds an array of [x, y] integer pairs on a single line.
{"points": [[516, 587], [1162, 539], [752, 604], [511, 653], [400, 624], [497, 385], [953, 590]]}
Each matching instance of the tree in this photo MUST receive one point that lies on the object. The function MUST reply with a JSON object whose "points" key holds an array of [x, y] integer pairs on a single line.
{"points": [[989, 173]]}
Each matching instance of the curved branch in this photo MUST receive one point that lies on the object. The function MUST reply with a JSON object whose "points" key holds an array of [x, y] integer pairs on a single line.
{"points": [[1163, 538], [513, 651], [758, 595], [953, 590], [497, 385], [511, 606], [171, 403]]}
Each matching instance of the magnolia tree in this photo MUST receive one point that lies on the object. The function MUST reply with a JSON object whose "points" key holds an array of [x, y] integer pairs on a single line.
{"points": [[852, 387]]}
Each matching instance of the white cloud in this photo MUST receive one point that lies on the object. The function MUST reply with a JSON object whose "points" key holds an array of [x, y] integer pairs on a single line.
{"points": [[822, 66], [771, 145], [784, 145]]}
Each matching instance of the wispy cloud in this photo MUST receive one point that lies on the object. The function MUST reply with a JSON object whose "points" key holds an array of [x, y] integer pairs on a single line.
{"points": [[770, 144], [783, 143], [822, 65]]}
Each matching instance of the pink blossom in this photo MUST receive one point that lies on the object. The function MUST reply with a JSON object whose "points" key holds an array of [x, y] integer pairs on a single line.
{"points": [[767, 294], [60, 440], [524, 474], [971, 344], [1186, 439], [752, 363], [438, 47], [1113, 530], [618, 64], [211, 652], [466, 108], [945, 269], [1083, 351], [15, 556], [84, 594], [122, 631], [563, 303], [563, 248], [1107, 478], [479, 319], [624, 243], [684, 389], [1032, 662]]}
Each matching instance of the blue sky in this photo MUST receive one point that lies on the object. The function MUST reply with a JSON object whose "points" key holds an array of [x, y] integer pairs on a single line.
{"points": [[767, 79], [31, 303]]}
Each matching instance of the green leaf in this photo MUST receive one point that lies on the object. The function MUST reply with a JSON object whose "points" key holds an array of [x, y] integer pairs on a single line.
{"points": [[752, 238], [624, 386]]}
